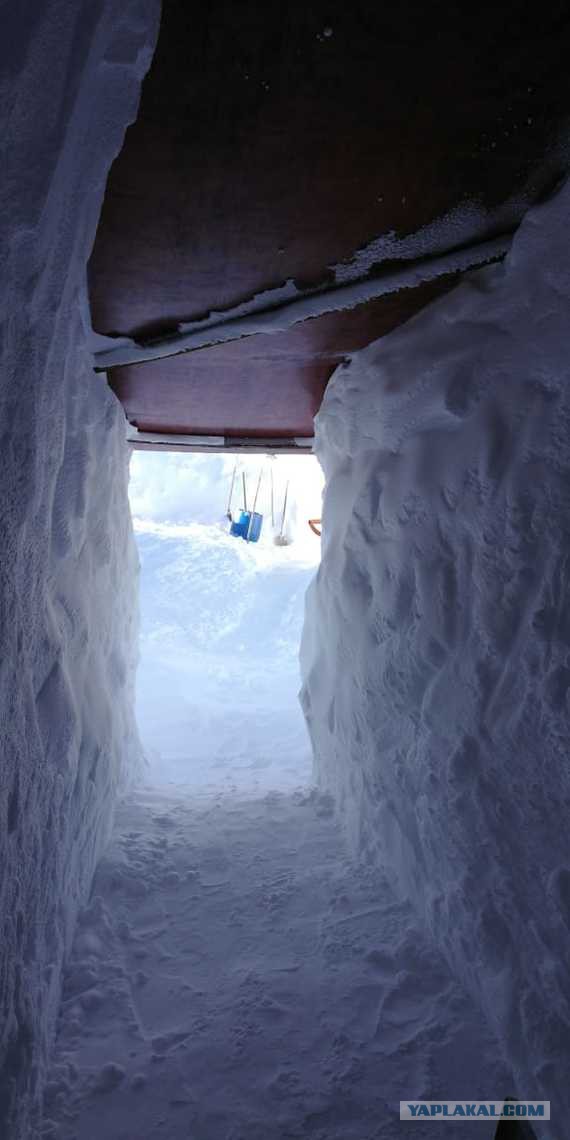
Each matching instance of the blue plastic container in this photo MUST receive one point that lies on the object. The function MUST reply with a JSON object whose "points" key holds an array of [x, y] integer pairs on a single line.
{"points": [[243, 525], [239, 527], [254, 528]]}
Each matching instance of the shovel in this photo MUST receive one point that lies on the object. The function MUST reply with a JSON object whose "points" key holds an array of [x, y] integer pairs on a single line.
{"points": [[282, 539]]}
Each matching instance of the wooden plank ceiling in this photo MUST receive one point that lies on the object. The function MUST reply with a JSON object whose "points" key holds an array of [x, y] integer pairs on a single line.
{"points": [[274, 141]]}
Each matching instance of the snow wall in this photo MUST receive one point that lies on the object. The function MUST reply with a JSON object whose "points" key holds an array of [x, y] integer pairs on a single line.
{"points": [[71, 75], [436, 650]]}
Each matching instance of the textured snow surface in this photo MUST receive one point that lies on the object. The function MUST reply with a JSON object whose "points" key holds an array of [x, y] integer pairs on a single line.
{"points": [[237, 977], [436, 653], [71, 77]]}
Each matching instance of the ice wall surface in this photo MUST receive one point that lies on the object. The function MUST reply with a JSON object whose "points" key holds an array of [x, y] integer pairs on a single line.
{"points": [[71, 74], [436, 652]]}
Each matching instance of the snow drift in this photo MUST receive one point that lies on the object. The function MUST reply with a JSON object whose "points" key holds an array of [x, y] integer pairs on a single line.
{"points": [[436, 651], [71, 79]]}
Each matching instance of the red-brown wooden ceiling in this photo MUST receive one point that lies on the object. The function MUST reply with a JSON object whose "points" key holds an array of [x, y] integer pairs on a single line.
{"points": [[274, 141]]}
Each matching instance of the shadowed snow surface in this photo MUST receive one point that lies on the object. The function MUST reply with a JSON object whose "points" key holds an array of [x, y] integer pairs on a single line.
{"points": [[436, 653], [236, 977], [71, 76]]}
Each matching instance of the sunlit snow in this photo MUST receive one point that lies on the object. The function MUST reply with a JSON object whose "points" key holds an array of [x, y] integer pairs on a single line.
{"points": [[221, 618]]}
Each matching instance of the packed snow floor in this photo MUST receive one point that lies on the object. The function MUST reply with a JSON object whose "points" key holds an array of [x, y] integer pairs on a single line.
{"points": [[236, 976]]}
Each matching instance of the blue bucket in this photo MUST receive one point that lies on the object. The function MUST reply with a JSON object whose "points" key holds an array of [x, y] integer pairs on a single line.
{"points": [[239, 528], [248, 522], [254, 528]]}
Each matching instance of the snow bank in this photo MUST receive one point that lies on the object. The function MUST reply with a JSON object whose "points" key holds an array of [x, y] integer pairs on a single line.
{"points": [[71, 78], [436, 653]]}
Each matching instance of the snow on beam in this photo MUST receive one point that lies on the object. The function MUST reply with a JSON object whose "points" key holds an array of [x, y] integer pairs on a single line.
{"points": [[281, 316]]}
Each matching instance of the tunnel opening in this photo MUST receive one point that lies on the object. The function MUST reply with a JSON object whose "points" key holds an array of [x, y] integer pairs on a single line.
{"points": [[221, 611]]}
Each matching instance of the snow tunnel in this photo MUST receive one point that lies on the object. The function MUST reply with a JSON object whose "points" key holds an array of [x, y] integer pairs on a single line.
{"points": [[234, 232]]}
